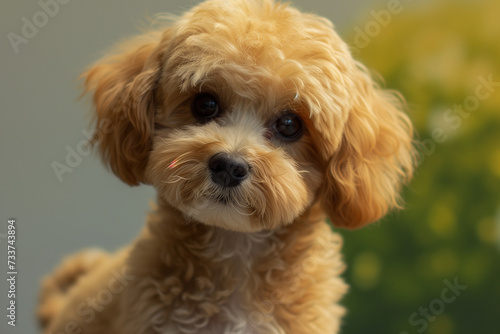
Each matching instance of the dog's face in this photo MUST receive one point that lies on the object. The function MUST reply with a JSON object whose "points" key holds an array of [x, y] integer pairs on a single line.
{"points": [[243, 114]]}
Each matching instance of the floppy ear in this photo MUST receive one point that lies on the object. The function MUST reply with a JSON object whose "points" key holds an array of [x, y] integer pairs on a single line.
{"points": [[124, 86], [364, 176]]}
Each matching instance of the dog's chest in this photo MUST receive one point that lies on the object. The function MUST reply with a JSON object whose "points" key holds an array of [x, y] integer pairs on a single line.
{"points": [[232, 283], [213, 283]]}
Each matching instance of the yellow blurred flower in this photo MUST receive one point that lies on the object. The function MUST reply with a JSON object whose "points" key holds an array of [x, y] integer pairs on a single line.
{"points": [[442, 219], [366, 270], [441, 325]]}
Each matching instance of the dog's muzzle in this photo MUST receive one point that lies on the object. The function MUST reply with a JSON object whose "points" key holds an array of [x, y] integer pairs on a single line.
{"points": [[227, 171]]}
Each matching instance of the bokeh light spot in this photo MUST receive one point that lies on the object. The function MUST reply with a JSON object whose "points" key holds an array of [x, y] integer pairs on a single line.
{"points": [[442, 325], [485, 230], [442, 220], [366, 270]]}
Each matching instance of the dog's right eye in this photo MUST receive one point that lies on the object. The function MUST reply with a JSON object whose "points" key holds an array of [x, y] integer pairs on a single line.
{"points": [[205, 107]]}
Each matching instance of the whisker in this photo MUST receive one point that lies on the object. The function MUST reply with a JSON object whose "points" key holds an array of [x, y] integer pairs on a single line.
{"points": [[176, 178]]}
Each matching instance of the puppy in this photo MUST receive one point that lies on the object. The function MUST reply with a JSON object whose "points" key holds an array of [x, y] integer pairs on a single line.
{"points": [[254, 124]]}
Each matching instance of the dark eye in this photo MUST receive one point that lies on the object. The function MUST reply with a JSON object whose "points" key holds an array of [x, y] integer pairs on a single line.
{"points": [[205, 107], [289, 126]]}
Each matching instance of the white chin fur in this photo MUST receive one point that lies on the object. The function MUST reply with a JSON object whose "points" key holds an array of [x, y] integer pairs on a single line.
{"points": [[225, 216]]}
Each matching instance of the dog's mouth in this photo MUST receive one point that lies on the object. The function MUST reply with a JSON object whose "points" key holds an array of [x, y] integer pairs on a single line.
{"points": [[223, 209]]}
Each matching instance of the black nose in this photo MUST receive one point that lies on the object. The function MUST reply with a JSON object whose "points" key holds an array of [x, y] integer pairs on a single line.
{"points": [[227, 171]]}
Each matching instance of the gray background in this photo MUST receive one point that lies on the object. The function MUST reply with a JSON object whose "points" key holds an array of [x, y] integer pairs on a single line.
{"points": [[41, 115]]}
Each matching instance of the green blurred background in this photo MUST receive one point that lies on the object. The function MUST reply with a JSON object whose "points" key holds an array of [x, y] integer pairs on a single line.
{"points": [[439, 56]]}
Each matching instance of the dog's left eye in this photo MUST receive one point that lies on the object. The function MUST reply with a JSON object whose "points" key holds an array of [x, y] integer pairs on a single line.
{"points": [[205, 107], [289, 127]]}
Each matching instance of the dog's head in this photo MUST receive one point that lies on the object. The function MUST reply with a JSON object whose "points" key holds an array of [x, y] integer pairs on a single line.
{"points": [[243, 114]]}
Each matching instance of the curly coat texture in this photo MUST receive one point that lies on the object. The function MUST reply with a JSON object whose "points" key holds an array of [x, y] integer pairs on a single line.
{"points": [[260, 257]]}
